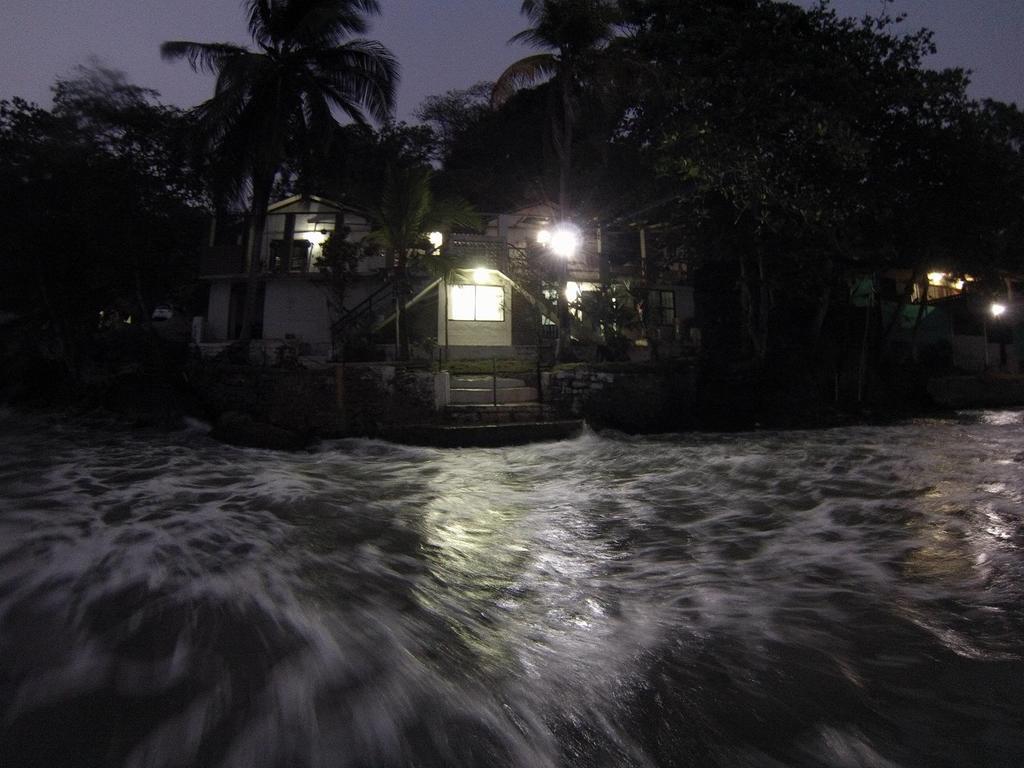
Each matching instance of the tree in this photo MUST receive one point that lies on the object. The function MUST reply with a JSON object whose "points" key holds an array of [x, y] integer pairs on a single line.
{"points": [[498, 158], [353, 166], [573, 31], [102, 216], [452, 114], [799, 150], [273, 103], [403, 217]]}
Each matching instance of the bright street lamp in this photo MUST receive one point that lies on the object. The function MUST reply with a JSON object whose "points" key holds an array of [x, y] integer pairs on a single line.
{"points": [[565, 240], [997, 309]]}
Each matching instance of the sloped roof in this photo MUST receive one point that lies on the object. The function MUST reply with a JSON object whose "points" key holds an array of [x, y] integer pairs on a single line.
{"points": [[322, 201]]}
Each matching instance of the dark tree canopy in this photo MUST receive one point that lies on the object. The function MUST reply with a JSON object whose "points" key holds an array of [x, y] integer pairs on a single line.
{"points": [[102, 213]]}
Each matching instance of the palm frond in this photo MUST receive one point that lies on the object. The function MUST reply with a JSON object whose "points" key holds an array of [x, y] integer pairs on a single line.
{"points": [[320, 23], [452, 213], [533, 38], [359, 75], [523, 74], [533, 10], [202, 57], [260, 14]]}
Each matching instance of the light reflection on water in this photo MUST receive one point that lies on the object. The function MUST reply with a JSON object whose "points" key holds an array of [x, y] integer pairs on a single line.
{"points": [[838, 598]]}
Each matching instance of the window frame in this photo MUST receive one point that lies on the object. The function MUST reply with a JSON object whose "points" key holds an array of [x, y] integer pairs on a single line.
{"points": [[476, 304]]}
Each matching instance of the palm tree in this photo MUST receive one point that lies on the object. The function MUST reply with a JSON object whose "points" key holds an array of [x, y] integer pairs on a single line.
{"points": [[404, 216], [572, 31], [271, 102]]}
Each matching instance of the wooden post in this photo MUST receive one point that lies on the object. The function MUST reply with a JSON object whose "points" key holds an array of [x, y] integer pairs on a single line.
{"points": [[494, 381]]}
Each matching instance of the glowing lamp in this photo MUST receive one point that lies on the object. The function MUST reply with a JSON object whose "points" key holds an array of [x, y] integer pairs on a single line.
{"points": [[316, 238], [543, 237], [564, 241], [436, 239], [997, 309], [480, 275], [936, 278]]}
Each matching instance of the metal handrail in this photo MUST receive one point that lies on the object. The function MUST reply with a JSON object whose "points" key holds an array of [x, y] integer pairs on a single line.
{"points": [[366, 306]]}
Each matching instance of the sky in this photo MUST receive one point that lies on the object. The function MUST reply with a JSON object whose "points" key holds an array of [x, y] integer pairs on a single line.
{"points": [[440, 44]]}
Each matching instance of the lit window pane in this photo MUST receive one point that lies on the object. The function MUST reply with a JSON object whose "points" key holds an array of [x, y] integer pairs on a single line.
{"points": [[490, 300], [463, 302], [477, 302]]}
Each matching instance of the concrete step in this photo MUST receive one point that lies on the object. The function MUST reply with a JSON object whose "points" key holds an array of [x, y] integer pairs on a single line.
{"points": [[480, 381], [496, 414], [484, 435], [484, 396]]}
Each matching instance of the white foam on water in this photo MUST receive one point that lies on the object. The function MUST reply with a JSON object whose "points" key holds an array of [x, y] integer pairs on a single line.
{"points": [[367, 602]]}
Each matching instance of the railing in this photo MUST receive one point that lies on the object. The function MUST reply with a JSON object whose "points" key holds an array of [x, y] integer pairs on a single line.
{"points": [[479, 251], [486, 373], [368, 307]]}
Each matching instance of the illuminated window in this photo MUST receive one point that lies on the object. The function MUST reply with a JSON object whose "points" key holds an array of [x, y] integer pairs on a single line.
{"points": [[477, 302]]}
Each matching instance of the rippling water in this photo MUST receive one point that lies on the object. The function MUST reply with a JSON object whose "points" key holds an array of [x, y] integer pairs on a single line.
{"points": [[849, 597]]}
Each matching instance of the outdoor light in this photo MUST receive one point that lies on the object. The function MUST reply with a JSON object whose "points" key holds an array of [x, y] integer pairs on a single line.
{"points": [[543, 237], [936, 278], [436, 239], [564, 241], [316, 238], [997, 309], [480, 275]]}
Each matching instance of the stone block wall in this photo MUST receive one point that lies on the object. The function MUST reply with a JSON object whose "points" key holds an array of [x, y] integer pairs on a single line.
{"points": [[298, 399], [379, 394], [632, 400], [356, 399]]}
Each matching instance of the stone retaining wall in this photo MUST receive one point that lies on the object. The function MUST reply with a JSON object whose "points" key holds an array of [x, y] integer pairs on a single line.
{"points": [[327, 401], [632, 401], [380, 394], [984, 391]]}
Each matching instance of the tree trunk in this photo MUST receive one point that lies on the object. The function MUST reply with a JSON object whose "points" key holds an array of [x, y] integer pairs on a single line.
{"points": [[764, 302], [863, 364], [262, 185], [565, 145], [563, 148], [258, 222], [751, 313], [904, 300], [915, 352], [824, 303], [401, 324], [67, 350]]}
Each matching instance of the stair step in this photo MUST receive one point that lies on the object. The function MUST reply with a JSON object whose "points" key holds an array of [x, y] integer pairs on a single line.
{"points": [[484, 396], [480, 382], [495, 414]]}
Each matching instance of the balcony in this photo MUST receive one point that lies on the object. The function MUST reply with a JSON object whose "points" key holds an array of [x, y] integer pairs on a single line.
{"points": [[479, 251], [229, 260]]}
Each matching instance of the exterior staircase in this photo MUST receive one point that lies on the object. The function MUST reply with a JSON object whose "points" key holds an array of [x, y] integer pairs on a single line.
{"points": [[490, 390], [483, 399]]}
